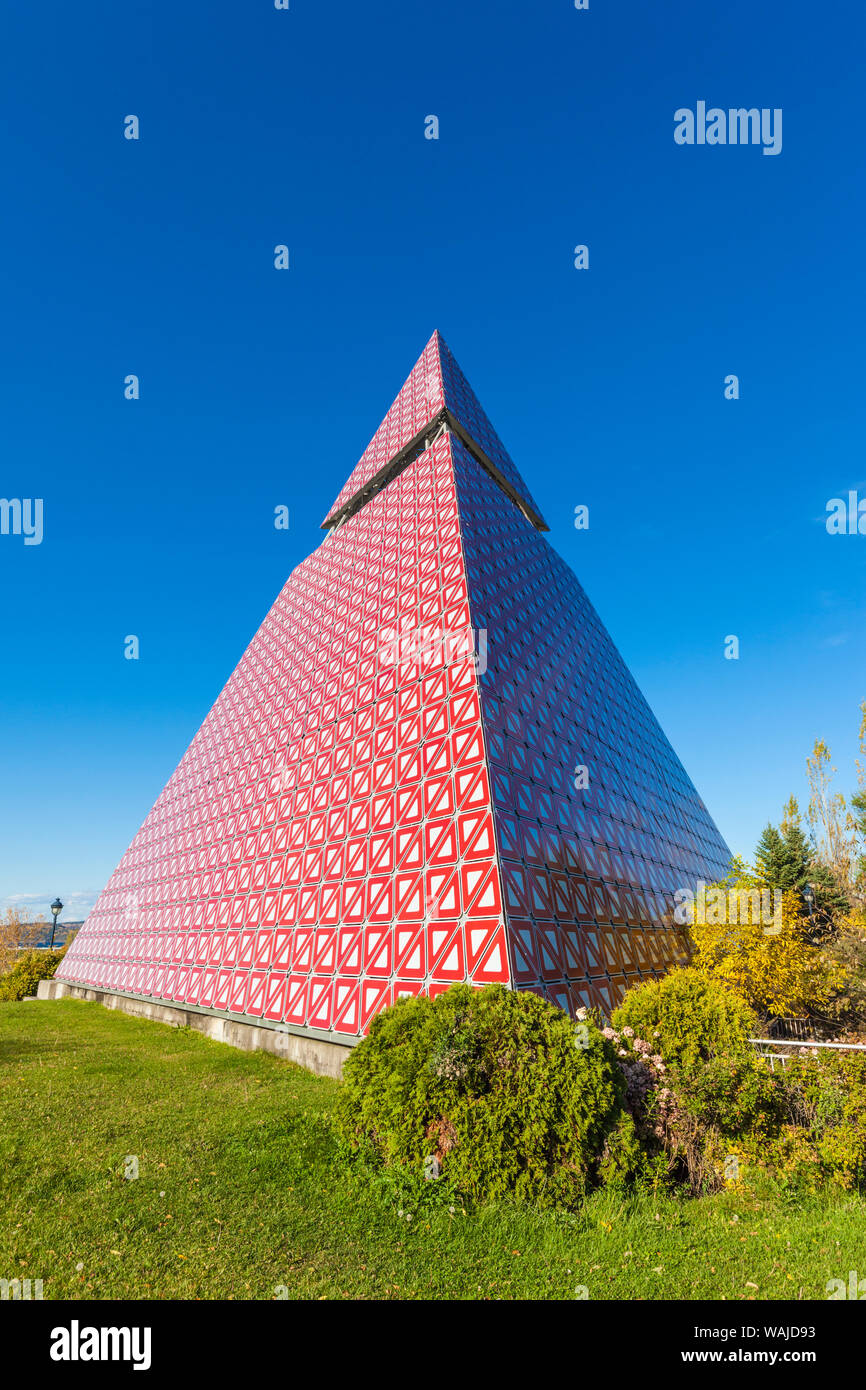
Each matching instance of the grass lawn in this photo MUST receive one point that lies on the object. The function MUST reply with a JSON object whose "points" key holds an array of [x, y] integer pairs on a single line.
{"points": [[241, 1193]]}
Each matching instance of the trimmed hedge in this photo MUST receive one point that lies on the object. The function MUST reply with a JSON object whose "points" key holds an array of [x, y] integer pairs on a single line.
{"points": [[499, 1087], [502, 1095], [687, 1019]]}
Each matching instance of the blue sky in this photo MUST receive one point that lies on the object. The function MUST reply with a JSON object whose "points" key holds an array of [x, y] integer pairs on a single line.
{"points": [[261, 387]]}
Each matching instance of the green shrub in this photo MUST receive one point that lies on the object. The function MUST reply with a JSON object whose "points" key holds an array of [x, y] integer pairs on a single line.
{"points": [[804, 1161], [496, 1085], [842, 1155], [26, 973], [687, 1018], [696, 1090], [825, 1096], [820, 1141], [699, 1121], [739, 1096], [626, 1163], [827, 1089]]}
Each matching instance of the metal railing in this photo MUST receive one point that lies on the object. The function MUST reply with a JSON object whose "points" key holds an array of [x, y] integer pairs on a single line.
{"points": [[810, 1044], [789, 1028]]}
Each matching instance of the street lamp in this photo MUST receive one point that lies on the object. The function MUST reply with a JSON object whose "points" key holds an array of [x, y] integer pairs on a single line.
{"points": [[809, 900], [56, 908]]}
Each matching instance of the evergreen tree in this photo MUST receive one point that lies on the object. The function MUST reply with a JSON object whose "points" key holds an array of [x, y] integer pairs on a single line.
{"points": [[774, 862], [784, 859]]}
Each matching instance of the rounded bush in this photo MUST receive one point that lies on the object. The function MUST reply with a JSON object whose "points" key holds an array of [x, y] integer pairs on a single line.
{"points": [[499, 1087], [28, 970], [687, 1018]]}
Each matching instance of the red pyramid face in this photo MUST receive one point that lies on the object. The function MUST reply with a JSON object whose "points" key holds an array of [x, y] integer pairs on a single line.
{"points": [[383, 799]]}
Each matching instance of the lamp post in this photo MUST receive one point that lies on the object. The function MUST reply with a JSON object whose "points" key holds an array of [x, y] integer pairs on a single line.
{"points": [[809, 900], [56, 908]]}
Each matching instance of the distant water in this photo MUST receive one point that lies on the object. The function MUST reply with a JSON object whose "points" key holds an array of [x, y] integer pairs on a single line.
{"points": [[60, 935]]}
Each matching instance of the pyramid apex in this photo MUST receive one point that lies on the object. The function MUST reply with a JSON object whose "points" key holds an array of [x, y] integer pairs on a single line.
{"points": [[435, 389], [436, 341]]}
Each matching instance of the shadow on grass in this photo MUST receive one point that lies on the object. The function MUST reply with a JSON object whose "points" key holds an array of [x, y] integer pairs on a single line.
{"points": [[13, 1050]]}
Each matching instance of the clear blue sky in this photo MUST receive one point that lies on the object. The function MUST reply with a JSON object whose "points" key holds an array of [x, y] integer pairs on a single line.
{"points": [[261, 387]]}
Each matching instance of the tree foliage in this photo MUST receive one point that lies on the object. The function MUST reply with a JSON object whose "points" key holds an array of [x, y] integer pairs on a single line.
{"points": [[18, 932], [771, 961], [833, 828], [784, 859]]}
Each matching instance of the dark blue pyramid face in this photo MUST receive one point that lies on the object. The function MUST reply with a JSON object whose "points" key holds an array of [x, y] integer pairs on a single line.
{"points": [[597, 823]]}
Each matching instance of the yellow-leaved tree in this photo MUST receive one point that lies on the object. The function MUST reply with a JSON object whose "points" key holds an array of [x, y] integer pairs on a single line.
{"points": [[748, 935], [18, 931]]}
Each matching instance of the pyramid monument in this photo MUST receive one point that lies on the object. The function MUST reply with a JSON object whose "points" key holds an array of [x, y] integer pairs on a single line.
{"points": [[430, 765]]}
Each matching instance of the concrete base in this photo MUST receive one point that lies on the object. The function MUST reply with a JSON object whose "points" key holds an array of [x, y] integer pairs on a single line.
{"points": [[323, 1056]]}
